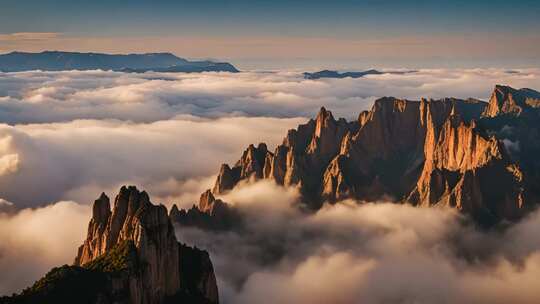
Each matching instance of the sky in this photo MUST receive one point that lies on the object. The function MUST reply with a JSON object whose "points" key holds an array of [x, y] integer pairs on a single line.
{"points": [[294, 34]]}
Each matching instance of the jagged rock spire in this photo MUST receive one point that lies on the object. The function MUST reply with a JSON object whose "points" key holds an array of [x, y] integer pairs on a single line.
{"points": [[135, 219], [249, 166]]}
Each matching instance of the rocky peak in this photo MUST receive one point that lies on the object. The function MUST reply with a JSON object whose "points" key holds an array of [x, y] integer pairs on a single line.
{"points": [[326, 139], [324, 120], [393, 124], [507, 100], [135, 219], [210, 205], [206, 201], [249, 166], [460, 147], [460, 168], [298, 139], [226, 179], [127, 203], [252, 162], [502, 101], [389, 104], [174, 210], [101, 210]]}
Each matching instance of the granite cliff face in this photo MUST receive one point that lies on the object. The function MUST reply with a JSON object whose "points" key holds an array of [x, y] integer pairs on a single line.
{"points": [[134, 218], [130, 255], [447, 152], [464, 170]]}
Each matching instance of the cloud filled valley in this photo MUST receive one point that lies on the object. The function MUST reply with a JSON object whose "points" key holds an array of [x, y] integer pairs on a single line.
{"points": [[367, 253], [65, 137]]}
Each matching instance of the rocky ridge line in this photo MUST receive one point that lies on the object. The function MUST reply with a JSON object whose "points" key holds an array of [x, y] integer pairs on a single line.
{"points": [[427, 153]]}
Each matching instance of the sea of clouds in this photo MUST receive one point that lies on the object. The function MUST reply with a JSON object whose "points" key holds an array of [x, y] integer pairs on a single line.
{"points": [[35, 97], [368, 253], [67, 136]]}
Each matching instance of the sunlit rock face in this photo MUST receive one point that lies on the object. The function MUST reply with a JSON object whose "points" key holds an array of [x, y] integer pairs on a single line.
{"points": [[447, 152], [165, 269], [472, 173], [507, 100]]}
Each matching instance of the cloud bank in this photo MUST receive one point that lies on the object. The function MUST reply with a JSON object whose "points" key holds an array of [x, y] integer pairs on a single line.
{"points": [[34, 97], [43, 163], [368, 253], [346, 253], [35, 240]]}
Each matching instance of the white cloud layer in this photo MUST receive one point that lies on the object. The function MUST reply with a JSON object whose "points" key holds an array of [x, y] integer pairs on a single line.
{"points": [[370, 253], [43, 163], [61, 96], [33, 241], [71, 135]]}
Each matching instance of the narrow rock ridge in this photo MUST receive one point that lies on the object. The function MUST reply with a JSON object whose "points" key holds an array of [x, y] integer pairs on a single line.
{"points": [[427, 152], [162, 274], [333, 159]]}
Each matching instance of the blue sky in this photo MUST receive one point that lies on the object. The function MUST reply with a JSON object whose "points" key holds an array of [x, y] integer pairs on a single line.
{"points": [[263, 17], [246, 23]]}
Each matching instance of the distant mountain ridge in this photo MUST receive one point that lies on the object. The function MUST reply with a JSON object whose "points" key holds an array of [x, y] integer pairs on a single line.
{"points": [[61, 61], [339, 75]]}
